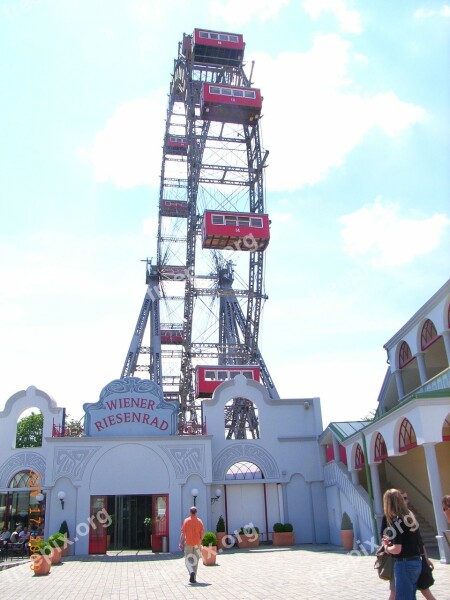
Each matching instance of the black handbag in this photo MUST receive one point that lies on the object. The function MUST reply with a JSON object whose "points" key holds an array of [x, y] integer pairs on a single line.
{"points": [[426, 578], [384, 564]]}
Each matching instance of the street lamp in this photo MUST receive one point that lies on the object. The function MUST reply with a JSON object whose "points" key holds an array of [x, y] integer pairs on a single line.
{"points": [[194, 493], [61, 497], [218, 494]]}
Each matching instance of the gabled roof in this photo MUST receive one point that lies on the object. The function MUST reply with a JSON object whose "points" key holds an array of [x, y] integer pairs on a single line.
{"points": [[344, 429]]}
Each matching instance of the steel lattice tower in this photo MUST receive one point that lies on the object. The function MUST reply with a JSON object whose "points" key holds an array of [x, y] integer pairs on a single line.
{"points": [[203, 306]]}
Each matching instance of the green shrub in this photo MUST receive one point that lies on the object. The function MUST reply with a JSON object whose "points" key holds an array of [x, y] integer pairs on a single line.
{"points": [[220, 527], [248, 530], [57, 540], [43, 547], [287, 527], [278, 527], [64, 529], [148, 523], [209, 539], [346, 523]]}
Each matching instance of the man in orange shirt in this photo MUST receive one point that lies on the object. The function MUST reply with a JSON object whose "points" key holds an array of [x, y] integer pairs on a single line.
{"points": [[191, 536]]}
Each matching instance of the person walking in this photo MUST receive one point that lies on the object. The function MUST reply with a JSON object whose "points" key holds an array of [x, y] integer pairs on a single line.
{"points": [[191, 538], [401, 539], [426, 592]]}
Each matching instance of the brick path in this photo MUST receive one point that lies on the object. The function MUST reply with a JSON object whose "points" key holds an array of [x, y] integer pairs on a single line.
{"points": [[319, 572]]}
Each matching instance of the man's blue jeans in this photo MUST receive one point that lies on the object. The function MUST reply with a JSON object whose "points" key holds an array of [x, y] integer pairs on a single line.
{"points": [[406, 574]]}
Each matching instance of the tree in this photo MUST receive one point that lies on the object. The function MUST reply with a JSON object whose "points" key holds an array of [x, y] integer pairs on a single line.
{"points": [[29, 431]]}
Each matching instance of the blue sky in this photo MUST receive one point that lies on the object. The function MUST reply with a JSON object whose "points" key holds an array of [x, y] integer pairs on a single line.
{"points": [[356, 119]]}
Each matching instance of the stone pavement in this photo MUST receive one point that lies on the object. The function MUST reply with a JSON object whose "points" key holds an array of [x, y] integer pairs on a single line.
{"points": [[318, 572]]}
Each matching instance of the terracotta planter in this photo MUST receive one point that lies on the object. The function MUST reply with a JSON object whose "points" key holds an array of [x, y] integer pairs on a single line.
{"points": [[64, 550], [209, 554], [248, 541], [55, 556], [41, 565], [220, 535], [347, 538], [283, 538]]}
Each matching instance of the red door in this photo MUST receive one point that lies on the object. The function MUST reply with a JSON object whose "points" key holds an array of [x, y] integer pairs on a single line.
{"points": [[97, 530], [160, 529]]}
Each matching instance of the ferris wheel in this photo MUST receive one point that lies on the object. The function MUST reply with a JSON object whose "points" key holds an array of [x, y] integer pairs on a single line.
{"points": [[206, 287]]}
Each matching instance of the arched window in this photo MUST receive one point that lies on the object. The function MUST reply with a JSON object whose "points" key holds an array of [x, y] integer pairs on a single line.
{"points": [[29, 429], [359, 457], [429, 334], [380, 448], [404, 355], [244, 470], [241, 420], [20, 480], [407, 436], [19, 504], [446, 430]]}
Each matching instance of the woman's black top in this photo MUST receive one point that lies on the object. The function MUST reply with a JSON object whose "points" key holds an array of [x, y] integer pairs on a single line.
{"points": [[407, 534]]}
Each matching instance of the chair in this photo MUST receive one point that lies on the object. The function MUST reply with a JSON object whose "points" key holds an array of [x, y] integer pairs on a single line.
{"points": [[16, 550], [3, 551]]}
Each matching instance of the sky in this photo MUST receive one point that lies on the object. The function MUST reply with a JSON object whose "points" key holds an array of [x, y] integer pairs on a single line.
{"points": [[356, 120]]}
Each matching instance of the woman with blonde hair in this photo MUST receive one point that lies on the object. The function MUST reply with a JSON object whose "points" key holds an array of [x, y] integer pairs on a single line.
{"points": [[401, 539]]}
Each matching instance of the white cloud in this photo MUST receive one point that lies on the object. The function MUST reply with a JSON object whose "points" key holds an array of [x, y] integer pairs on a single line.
{"points": [[314, 126], [425, 13], [349, 20], [380, 234], [237, 12], [128, 150], [324, 119]]}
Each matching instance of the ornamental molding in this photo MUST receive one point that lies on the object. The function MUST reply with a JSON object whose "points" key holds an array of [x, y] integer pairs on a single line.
{"points": [[186, 461], [23, 461], [245, 452], [72, 462]]}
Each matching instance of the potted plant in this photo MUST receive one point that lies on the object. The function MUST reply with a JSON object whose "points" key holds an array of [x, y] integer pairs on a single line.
{"points": [[220, 533], [40, 557], [56, 541], [283, 534], [148, 524], [347, 532], [110, 530], [64, 530], [209, 548], [248, 537]]}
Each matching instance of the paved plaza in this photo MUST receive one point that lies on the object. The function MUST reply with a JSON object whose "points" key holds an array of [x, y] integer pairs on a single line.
{"points": [[319, 572]]}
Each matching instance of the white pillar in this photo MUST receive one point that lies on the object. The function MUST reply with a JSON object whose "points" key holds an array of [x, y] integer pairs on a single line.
{"points": [[436, 497], [355, 477], [376, 488], [399, 382], [422, 367]]}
